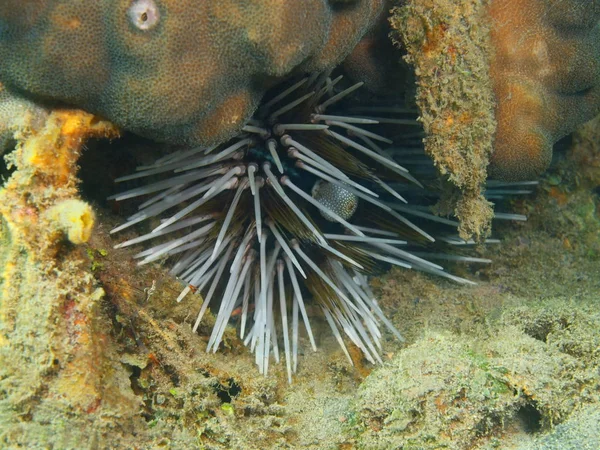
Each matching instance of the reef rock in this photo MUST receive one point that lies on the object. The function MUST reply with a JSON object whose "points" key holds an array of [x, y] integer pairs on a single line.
{"points": [[54, 361], [448, 45]]}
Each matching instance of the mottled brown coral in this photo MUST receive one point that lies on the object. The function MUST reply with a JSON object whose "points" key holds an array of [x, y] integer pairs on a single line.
{"points": [[194, 77], [546, 73]]}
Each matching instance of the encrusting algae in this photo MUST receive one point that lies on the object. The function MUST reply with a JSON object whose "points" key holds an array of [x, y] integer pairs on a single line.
{"points": [[54, 357], [448, 44]]}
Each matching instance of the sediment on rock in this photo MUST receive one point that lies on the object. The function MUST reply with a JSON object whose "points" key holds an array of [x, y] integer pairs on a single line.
{"points": [[448, 44]]}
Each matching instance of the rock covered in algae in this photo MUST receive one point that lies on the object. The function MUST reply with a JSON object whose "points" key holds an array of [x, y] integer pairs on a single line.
{"points": [[180, 71], [448, 44], [54, 362], [450, 391]]}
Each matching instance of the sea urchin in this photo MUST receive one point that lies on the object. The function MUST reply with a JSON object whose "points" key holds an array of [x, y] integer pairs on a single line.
{"points": [[300, 204]]}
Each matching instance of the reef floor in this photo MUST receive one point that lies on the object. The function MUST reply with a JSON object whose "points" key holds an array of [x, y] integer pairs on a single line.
{"points": [[512, 363]]}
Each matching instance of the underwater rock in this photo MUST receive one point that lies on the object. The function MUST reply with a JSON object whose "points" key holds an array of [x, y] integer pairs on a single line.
{"points": [[530, 371], [54, 360]]}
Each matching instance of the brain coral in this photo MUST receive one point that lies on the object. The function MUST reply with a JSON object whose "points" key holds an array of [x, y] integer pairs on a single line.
{"points": [[546, 74], [181, 71]]}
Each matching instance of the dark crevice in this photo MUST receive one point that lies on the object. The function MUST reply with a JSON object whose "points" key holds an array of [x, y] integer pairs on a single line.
{"points": [[226, 392], [136, 372], [530, 417], [9, 146]]}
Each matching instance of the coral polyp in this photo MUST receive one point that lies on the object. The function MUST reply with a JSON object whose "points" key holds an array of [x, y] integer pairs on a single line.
{"points": [[300, 205]]}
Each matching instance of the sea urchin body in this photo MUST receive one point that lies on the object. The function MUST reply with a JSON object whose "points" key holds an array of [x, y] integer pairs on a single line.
{"points": [[301, 204]]}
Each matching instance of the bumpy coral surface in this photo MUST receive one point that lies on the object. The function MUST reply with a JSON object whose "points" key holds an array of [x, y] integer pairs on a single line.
{"points": [[546, 73], [176, 70]]}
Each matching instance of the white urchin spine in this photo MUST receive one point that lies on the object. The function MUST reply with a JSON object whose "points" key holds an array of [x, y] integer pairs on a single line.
{"points": [[243, 232]]}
